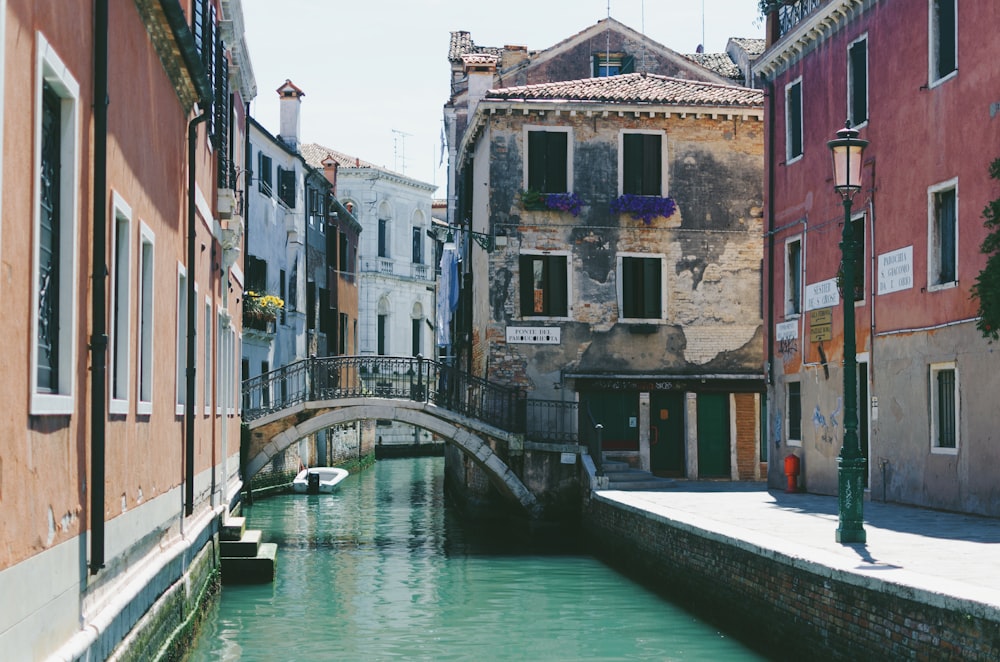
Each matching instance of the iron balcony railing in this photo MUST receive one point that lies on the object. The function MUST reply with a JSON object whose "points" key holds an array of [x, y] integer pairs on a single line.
{"points": [[412, 378], [552, 420], [790, 15]]}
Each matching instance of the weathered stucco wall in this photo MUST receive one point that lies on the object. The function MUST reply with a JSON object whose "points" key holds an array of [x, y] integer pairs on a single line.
{"points": [[711, 246]]}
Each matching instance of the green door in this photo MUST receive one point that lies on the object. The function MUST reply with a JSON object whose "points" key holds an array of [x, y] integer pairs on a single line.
{"points": [[666, 433], [713, 435]]}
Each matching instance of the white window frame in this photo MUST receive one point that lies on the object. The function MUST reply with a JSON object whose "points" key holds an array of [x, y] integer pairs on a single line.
{"points": [[933, 244], [145, 311], [120, 325], [569, 285], [792, 443], [620, 288], [789, 157], [936, 368], [527, 128], [49, 68], [664, 191], [181, 344], [207, 382], [850, 83], [934, 48], [790, 313]]}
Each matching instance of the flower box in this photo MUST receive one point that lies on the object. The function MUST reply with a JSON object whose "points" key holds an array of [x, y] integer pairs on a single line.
{"points": [[643, 207]]}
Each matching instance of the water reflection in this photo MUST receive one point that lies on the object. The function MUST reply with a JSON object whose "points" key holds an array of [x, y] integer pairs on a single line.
{"points": [[384, 570]]}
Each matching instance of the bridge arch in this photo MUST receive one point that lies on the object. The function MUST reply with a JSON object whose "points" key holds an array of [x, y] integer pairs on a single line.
{"points": [[274, 433]]}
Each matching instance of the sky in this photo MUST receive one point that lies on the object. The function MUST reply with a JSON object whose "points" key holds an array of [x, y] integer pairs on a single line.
{"points": [[375, 73]]}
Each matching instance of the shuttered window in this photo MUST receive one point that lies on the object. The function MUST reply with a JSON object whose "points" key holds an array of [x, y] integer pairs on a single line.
{"points": [[642, 296], [857, 83], [642, 164], [793, 120], [547, 161], [944, 408], [543, 286]]}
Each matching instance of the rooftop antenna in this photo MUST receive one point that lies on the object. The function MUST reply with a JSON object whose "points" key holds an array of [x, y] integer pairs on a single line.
{"points": [[399, 150], [607, 47], [702, 22]]}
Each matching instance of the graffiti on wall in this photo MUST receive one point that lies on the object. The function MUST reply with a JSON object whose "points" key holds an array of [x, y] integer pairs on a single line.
{"points": [[826, 426], [778, 417]]}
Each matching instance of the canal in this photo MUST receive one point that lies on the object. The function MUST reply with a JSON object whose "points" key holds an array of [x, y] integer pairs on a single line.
{"points": [[385, 570]]}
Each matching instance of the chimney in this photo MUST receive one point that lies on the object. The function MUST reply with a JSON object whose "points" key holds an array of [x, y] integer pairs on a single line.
{"points": [[480, 70], [330, 166], [513, 56], [290, 96]]}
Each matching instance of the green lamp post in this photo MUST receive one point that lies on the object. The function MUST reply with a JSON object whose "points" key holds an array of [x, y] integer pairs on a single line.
{"points": [[847, 152]]}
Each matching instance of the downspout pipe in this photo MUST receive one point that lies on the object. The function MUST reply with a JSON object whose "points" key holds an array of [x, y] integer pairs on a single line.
{"points": [[191, 317], [769, 334], [99, 335]]}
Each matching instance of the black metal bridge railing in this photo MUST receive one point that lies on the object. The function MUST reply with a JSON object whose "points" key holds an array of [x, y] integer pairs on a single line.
{"points": [[412, 378]]}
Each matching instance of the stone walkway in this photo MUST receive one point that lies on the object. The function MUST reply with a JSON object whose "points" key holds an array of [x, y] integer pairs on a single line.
{"points": [[946, 554]]}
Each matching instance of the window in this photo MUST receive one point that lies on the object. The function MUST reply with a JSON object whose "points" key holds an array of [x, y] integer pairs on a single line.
{"points": [[415, 333], [310, 305], [544, 291], [944, 408], [342, 252], [857, 82], [641, 287], [56, 155], [145, 362], [793, 276], [548, 161], [208, 355], [256, 275], [612, 64], [943, 39], [793, 393], [383, 237], [342, 335], [120, 306], [383, 328], [418, 246], [245, 375], [265, 387], [182, 296], [641, 163], [264, 174], [858, 232], [282, 289], [286, 187], [943, 240], [326, 314], [793, 120]]}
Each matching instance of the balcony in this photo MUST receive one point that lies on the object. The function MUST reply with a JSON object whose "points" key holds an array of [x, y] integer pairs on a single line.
{"points": [[791, 14]]}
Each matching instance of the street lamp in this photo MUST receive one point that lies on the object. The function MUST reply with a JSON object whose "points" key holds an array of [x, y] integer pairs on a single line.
{"points": [[847, 151]]}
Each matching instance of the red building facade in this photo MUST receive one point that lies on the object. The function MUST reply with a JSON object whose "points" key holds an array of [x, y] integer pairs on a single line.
{"points": [[919, 81]]}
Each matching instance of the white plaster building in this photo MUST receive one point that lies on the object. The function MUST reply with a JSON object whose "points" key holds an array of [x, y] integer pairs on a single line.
{"points": [[396, 263]]}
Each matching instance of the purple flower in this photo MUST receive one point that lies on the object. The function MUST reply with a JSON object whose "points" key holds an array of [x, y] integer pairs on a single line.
{"points": [[645, 207]]}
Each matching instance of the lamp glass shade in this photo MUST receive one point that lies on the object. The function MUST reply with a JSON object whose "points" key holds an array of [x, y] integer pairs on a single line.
{"points": [[847, 151]]}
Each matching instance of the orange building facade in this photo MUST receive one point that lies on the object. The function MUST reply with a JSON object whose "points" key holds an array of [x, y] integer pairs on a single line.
{"points": [[120, 254]]}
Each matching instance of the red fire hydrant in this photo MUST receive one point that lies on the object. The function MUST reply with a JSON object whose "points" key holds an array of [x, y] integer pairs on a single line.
{"points": [[792, 471]]}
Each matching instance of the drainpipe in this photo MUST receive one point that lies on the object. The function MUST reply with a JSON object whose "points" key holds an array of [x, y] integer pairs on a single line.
{"points": [[99, 336], [769, 95], [189, 386]]}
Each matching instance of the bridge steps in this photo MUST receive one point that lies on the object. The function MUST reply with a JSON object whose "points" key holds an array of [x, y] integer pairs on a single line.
{"points": [[622, 477], [244, 558]]}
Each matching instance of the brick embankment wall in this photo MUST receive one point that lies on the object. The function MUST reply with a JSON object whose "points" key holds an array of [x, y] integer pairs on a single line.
{"points": [[789, 608]]}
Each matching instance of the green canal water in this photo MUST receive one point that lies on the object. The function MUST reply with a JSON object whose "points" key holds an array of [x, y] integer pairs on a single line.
{"points": [[385, 570]]}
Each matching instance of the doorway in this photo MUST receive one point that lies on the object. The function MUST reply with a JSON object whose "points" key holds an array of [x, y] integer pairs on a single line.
{"points": [[666, 434], [713, 435]]}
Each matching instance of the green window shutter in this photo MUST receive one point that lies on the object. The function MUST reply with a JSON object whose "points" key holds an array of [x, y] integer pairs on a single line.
{"points": [[651, 288], [628, 64], [526, 271], [556, 286], [651, 164], [536, 160], [555, 165], [632, 163]]}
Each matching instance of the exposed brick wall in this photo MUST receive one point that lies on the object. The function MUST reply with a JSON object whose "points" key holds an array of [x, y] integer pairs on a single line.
{"points": [[791, 608], [746, 435]]}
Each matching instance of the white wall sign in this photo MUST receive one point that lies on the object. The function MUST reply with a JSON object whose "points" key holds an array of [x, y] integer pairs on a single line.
{"points": [[823, 294], [535, 335], [786, 331], [895, 270]]}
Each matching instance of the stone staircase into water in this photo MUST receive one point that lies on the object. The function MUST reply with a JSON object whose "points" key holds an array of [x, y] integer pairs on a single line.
{"points": [[623, 477], [244, 558]]}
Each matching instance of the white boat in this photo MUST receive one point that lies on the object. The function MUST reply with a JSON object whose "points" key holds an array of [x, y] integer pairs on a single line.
{"points": [[316, 480]]}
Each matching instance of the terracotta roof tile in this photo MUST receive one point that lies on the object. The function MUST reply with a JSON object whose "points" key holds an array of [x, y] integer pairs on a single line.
{"points": [[634, 88], [315, 154], [461, 44], [720, 63]]}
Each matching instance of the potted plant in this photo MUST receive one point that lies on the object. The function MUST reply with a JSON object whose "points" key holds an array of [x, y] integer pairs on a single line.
{"points": [[259, 310]]}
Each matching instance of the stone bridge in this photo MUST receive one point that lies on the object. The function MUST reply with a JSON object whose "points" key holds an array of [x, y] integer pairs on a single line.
{"points": [[489, 423]]}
